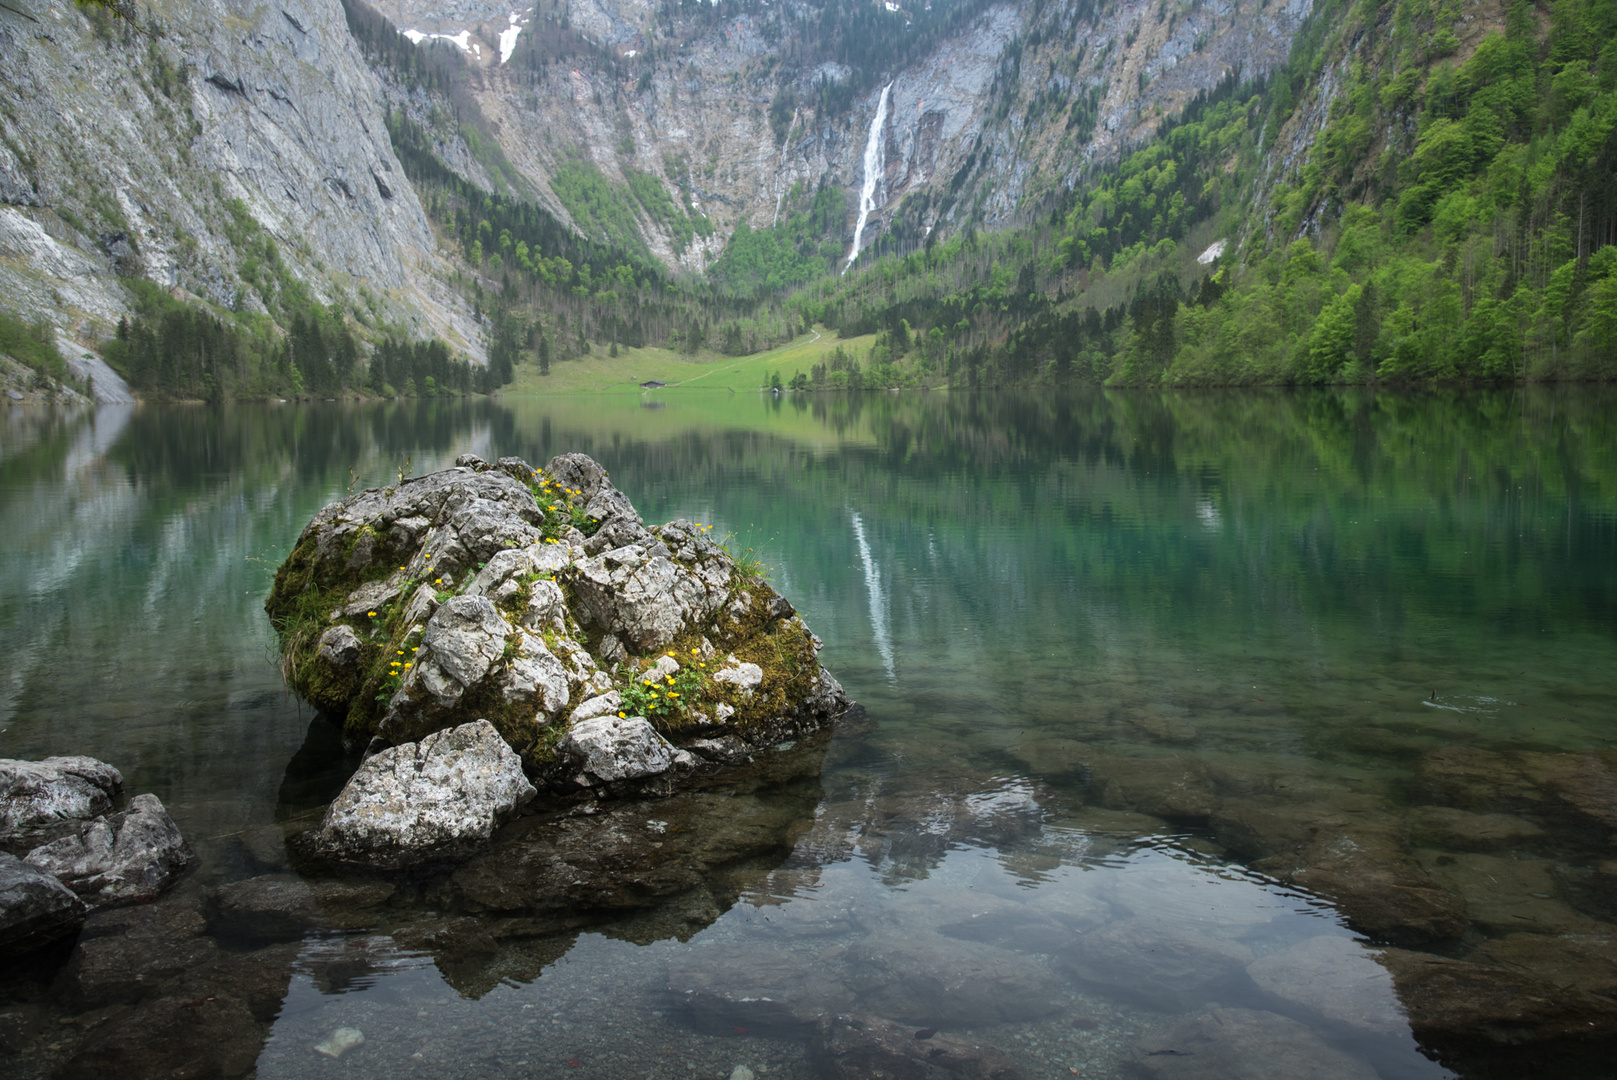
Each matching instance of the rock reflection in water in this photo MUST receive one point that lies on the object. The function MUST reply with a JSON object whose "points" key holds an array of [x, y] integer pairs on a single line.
{"points": [[904, 904]]}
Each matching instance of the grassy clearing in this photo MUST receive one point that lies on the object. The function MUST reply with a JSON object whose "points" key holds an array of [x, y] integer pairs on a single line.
{"points": [[623, 374]]}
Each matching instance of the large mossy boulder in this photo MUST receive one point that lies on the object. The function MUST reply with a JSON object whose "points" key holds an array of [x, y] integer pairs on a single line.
{"points": [[539, 600]]}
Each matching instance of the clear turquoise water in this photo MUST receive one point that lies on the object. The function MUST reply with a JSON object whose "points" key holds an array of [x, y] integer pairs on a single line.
{"points": [[1310, 588]]}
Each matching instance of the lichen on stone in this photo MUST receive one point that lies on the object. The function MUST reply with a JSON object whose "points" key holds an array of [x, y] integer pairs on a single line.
{"points": [[516, 595]]}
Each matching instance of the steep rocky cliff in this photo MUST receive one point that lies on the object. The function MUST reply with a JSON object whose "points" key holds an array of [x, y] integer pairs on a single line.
{"points": [[227, 150], [241, 155], [1016, 104]]}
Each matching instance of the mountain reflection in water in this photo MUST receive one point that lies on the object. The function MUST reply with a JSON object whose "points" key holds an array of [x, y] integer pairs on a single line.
{"points": [[1223, 734]]}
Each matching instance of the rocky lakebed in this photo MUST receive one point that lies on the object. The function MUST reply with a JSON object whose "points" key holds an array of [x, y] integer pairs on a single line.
{"points": [[542, 721]]}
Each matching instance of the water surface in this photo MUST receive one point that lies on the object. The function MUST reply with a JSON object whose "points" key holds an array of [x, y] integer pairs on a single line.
{"points": [[1100, 634]]}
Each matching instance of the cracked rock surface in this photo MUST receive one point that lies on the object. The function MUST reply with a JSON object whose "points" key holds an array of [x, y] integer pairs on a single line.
{"points": [[538, 606]]}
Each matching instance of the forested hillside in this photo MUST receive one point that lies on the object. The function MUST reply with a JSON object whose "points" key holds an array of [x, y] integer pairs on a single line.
{"points": [[1425, 190], [1416, 196]]}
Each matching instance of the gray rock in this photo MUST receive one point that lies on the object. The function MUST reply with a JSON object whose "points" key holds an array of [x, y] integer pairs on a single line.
{"points": [[35, 908], [37, 796], [1243, 1044], [1449, 1000], [123, 858], [373, 594], [621, 528], [1461, 830], [339, 646], [437, 798], [612, 650], [497, 571], [463, 640], [547, 607], [536, 676], [828, 698], [613, 748], [127, 953], [508, 641], [859, 1046], [606, 704], [423, 602], [644, 598], [665, 667], [726, 749], [578, 471]]}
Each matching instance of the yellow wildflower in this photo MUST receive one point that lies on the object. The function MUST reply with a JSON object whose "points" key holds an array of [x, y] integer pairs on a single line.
{"points": [[372, 614]]}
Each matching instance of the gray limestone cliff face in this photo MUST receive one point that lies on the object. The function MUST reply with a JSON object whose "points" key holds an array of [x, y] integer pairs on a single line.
{"points": [[974, 129], [182, 157]]}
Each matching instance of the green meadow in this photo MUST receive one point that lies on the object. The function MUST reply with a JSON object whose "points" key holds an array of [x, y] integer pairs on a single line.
{"points": [[623, 374]]}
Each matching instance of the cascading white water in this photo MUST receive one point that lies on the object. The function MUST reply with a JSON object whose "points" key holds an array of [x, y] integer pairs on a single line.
{"points": [[867, 196]]}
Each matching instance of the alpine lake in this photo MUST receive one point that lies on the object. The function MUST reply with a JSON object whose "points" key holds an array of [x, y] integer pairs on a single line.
{"points": [[1212, 734]]}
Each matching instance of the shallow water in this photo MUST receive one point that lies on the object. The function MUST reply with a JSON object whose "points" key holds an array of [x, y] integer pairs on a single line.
{"points": [[1119, 649]]}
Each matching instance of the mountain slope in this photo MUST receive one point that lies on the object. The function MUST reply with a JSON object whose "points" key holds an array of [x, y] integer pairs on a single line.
{"points": [[233, 152], [1419, 194], [992, 107]]}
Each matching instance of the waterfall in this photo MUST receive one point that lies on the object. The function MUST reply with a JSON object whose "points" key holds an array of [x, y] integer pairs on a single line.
{"points": [[867, 197]]}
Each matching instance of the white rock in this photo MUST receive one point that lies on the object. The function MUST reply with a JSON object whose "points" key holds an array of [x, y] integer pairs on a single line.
{"points": [[744, 677], [34, 794], [465, 637], [618, 748], [662, 669], [341, 1041], [536, 674], [423, 799], [604, 705], [122, 858]]}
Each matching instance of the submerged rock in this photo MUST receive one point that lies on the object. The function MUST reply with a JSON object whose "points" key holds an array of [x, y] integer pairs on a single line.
{"points": [[778, 991], [123, 858], [1336, 978], [1243, 1044], [1458, 1002], [35, 908], [1353, 856], [1166, 965], [432, 799], [207, 1020], [860, 1046], [339, 1042], [931, 979], [540, 602]]}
